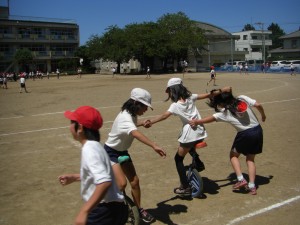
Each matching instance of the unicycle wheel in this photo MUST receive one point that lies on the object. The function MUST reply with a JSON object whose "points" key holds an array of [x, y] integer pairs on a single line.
{"points": [[196, 182], [133, 212]]}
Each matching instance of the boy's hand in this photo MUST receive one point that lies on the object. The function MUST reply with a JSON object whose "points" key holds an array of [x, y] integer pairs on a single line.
{"points": [[68, 179]]}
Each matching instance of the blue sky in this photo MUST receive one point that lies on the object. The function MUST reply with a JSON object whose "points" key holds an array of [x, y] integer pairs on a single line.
{"points": [[94, 16]]}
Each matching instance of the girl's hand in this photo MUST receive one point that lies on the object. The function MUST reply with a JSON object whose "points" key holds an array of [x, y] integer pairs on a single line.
{"points": [[193, 123], [147, 123]]}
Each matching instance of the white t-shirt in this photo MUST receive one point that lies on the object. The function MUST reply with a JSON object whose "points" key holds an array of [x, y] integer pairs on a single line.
{"points": [[187, 111], [246, 121], [119, 137], [22, 80], [96, 169]]}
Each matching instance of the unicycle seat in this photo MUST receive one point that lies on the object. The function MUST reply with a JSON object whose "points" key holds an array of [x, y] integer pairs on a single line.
{"points": [[123, 158], [201, 144]]}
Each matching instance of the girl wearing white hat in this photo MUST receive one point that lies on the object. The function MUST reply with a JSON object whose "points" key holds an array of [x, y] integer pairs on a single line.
{"points": [[184, 106]]}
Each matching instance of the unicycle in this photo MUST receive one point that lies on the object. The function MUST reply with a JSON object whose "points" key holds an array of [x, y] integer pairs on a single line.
{"points": [[194, 178], [133, 211]]}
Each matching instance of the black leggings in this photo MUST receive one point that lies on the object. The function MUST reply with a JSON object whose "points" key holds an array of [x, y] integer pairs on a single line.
{"points": [[181, 170]]}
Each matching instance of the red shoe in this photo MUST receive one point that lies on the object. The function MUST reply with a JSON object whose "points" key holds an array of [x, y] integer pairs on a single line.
{"points": [[252, 191], [240, 184]]}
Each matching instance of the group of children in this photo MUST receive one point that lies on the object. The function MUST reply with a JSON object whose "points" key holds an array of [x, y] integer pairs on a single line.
{"points": [[104, 177]]}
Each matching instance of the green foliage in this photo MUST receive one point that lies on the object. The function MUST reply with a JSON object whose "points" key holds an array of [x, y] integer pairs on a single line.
{"points": [[23, 56], [172, 36], [248, 27], [276, 33], [83, 53], [67, 64]]}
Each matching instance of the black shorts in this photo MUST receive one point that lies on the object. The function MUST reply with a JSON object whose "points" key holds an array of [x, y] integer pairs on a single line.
{"points": [[22, 85], [108, 213], [249, 141], [114, 154]]}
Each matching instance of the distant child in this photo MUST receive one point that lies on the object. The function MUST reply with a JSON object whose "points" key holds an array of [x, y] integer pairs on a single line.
{"points": [[292, 68], [249, 138], [104, 202], [22, 83], [57, 73], [148, 72], [213, 75], [4, 81], [185, 108], [123, 132]]}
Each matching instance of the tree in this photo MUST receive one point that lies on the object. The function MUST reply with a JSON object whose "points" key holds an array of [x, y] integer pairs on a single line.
{"points": [[143, 42], [23, 57], [83, 53], [276, 33], [180, 35], [248, 27], [172, 36]]}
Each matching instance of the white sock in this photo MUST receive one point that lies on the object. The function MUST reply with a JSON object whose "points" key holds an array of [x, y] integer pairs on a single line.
{"points": [[251, 185], [240, 178]]}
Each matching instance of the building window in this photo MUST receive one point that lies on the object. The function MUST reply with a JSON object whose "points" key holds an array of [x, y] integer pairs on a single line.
{"points": [[245, 37], [254, 37], [294, 43]]}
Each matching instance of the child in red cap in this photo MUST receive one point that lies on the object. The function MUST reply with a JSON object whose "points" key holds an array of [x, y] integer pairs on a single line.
{"points": [[99, 190], [249, 138]]}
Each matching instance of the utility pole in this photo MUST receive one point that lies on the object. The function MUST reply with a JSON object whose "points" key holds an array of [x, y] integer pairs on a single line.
{"points": [[263, 41]]}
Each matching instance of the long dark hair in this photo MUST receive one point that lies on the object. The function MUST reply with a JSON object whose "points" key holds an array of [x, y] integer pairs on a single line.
{"points": [[132, 106], [177, 92], [91, 135], [224, 100]]}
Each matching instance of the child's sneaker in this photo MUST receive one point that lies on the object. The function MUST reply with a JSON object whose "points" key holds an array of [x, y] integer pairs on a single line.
{"points": [[252, 191], [145, 216], [183, 191], [240, 184]]}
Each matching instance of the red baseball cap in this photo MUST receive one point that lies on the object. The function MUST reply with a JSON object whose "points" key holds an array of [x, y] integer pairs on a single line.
{"points": [[87, 116]]}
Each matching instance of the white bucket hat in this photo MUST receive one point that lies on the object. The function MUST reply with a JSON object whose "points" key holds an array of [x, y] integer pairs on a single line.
{"points": [[173, 81], [141, 95]]}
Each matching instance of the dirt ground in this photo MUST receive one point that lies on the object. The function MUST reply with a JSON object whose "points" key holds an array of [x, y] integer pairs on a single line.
{"points": [[36, 147]]}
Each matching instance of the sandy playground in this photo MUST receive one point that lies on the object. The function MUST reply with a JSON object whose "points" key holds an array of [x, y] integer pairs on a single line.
{"points": [[36, 146]]}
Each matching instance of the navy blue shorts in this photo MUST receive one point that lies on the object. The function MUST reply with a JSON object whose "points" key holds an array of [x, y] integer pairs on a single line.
{"points": [[249, 141], [108, 213], [114, 154]]}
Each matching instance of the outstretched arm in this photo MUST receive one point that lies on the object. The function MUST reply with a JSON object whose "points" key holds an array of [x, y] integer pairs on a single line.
{"points": [[68, 178], [208, 119], [142, 138], [261, 110], [214, 93], [161, 117]]}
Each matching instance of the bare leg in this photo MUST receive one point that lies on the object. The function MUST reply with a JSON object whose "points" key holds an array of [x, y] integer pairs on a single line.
{"points": [[129, 170], [251, 167], [235, 163]]}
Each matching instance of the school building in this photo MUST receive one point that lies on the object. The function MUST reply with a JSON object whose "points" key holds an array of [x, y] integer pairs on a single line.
{"points": [[49, 40]]}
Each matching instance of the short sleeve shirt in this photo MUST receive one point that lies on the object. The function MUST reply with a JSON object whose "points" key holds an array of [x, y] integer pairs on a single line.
{"points": [[96, 169], [246, 121], [119, 137], [186, 111]]}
